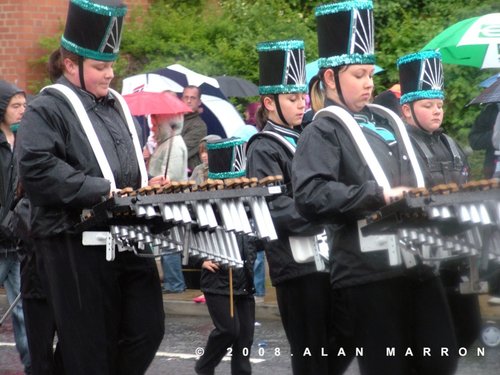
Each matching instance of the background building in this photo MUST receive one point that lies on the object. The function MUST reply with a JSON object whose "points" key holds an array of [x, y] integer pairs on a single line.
{"points": [[23, 23]]}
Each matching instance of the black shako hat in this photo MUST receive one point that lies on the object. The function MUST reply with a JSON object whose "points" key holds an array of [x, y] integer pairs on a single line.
{"points": [[94, 28], [282, 67], [421, 76], [226, 158], [345, 33]]}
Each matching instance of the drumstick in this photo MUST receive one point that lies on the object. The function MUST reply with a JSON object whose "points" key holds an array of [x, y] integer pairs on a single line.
{"points": [[231, 301]]}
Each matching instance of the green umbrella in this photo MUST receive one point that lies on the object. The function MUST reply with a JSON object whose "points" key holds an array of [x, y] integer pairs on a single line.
{"points": [[473, 42]]}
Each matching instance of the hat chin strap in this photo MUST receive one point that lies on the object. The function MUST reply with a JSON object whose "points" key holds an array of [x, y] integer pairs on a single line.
{"points": [[337, 85], [415, 118], [278, 108], [80, 73]]}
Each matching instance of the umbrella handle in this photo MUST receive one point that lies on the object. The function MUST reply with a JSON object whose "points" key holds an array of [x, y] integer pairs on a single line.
{"points": [[170, 140], [11, 307]]}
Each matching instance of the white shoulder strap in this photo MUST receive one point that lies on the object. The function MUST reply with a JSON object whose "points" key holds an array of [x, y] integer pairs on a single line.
{"points": [[398, 126], [359, 139], [125, 112], [82, 115], [280, 139]]}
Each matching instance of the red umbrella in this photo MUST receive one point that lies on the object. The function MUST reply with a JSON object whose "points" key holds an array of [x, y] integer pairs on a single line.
{"points": [[155, 103]]}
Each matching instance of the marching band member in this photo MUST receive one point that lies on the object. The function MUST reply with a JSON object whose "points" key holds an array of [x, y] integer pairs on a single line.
{"points": [[302, 291], [443, 162], [351, 161], [76, 144], [228, 291]]}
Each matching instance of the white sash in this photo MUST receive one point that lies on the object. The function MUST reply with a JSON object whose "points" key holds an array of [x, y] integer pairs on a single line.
{"points": [[364, 148], [377, 242], [96, 146], [305, 248]]}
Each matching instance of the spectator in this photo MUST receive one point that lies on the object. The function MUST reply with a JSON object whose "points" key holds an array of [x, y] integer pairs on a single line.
{"points": [[480, 136], [251, 112], [390, 99], [194, 127], [170, 155], [200, 172], [169, 158], [12, 107]]}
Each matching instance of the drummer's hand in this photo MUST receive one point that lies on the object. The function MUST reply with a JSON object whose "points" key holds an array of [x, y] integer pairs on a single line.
{"points": [[395, 193], [211, 266], [112, 192], [159, 180]]}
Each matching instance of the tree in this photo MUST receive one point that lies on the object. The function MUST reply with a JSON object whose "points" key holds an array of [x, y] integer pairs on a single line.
{"points": [[216, 37]]}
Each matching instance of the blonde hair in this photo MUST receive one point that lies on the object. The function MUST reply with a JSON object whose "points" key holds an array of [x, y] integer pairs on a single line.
{"points": [[316, 92]]}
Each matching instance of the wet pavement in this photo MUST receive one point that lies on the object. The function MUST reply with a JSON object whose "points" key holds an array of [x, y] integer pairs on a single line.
{"points": [[185, 337]]}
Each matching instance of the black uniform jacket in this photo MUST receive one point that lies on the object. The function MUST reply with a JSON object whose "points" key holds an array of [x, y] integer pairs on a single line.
{"points": [[7, 190], [267, 157], [332, 184], [57, 166], [445, 166]]}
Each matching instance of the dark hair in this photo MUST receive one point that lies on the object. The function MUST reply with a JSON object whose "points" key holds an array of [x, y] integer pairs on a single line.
{"points": [[55, 65], [193, 87], [262, 114], [389, 100], [202, 147]]}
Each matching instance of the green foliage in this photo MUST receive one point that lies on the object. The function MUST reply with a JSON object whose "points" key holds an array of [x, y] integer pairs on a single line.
{"points": [[213, 38], [216, 37]]}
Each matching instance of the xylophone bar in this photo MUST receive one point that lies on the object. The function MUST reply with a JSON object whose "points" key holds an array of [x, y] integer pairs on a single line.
{"points": [[452, 211], [198, 220], [445, 222], [200, 207]]}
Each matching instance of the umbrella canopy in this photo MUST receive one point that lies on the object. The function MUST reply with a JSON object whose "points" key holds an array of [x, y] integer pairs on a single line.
{"points": [[489, 95], [312, 69], [489, 81], [155, 103], [184, 77], [472, 42], [219, 114], [237, 87]]}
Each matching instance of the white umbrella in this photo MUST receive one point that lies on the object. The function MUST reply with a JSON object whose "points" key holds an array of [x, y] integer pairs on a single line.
{"points": [[220, 115]]}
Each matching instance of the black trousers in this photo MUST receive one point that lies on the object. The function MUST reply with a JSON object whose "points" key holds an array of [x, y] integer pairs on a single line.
{"points": [[109, 315], [466, 314], [305, 308], [395, 322], [230, 336], [40, 330]]}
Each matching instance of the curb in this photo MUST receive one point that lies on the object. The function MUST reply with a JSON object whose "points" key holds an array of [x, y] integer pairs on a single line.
{"points": [[263, 311]]}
